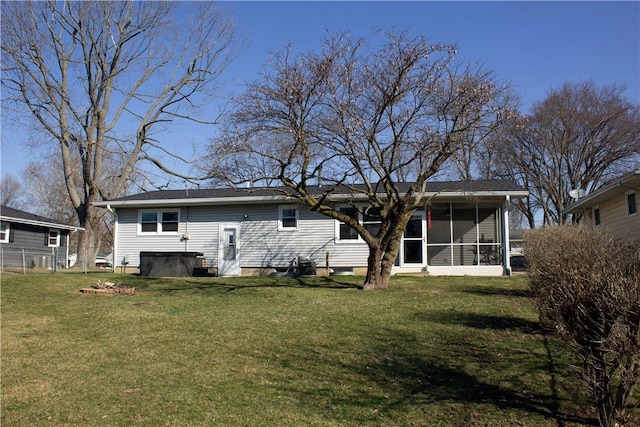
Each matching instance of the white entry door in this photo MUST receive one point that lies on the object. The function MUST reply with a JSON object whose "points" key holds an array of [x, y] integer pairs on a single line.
{"points": [[229, 250]]}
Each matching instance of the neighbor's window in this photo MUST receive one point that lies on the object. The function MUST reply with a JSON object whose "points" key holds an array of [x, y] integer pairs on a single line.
{"points": [[4, 233], [631, 204], [53, 239], [596, 216], [156, 222], [288, 218]]}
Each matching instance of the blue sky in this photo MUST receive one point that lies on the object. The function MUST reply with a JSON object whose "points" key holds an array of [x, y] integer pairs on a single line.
{"points": [[535, 45]]}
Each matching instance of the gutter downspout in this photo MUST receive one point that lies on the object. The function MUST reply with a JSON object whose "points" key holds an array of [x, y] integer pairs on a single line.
{"points": [[506, 247], [115, 238]]}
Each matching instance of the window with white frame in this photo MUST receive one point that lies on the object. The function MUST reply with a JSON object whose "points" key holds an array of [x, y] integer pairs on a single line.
{"points": [[53, 239], [632, 208], [159, 221], [368, 217], [4, 233], [345, 232], [287, 218], [596, 216]]}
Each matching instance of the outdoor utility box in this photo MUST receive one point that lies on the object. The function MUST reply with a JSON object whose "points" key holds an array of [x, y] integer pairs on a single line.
{"points": [[169, 264], [306, 267]]}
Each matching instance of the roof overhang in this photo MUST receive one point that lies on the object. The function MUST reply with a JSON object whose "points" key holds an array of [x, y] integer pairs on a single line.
{"points": [[621, 185], [40, 223], [280, 198]]}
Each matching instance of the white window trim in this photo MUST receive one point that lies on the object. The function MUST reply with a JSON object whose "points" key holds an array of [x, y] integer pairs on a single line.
{"points": [[626, 203], [280, 217], [337, 223], [7, 230], [158, 213], [57, 243]]}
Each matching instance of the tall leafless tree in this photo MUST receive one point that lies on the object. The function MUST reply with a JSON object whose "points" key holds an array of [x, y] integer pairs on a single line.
{"points": [[10, 192], [350, 114], [578, 137], [99, 78]]}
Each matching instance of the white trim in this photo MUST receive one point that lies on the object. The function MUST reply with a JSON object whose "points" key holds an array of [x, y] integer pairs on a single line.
{"points": [[211, 201], [337, 224], [158, 222], [7, 231], [40, 223], [281, 227], [57, 238]]}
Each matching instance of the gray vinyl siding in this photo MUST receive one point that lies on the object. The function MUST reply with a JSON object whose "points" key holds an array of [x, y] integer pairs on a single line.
{"points": [[29, 244], [32, 237], [261, 243]]}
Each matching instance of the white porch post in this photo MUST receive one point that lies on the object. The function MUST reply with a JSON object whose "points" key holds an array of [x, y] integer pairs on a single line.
{"points": [[506, 247]]}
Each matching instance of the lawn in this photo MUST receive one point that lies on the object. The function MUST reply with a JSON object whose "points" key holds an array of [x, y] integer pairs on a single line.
{"points": [[281, 351]]}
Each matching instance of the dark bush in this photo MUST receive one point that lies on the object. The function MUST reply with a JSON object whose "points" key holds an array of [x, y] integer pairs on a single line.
{"points": [[588, 286]]}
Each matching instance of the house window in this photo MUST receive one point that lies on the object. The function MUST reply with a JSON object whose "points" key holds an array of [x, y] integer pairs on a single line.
{"points": [[371, 220], [345, 231], [53, 239], [632, 209], [158, 222], [369, 217], [596, 216], [288, 218], [4, 233], [149, 222], [169, 222]]}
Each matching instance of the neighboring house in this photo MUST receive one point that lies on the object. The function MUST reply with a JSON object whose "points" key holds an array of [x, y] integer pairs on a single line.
{"points": [[33, 241], [613, 207], [462, 229]]}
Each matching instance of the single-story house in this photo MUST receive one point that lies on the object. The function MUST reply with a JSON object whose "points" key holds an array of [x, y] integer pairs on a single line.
{"points": [[463, 229], [613, 207], [33, 241]]}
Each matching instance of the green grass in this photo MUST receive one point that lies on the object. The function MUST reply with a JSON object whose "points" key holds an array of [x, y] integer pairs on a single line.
{"points": [[281, 352]]}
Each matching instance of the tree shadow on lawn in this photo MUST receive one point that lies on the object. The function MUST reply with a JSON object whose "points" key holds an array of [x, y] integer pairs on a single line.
{"points": [[402, 380], [219, 285], [495, 291], [481, 321]]}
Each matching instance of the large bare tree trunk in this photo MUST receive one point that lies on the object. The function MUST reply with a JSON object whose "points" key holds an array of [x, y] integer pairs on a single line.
{"points": [[98, 78]]}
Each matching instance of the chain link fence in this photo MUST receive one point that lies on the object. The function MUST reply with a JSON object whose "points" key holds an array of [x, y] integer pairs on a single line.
{"points": [[31, 260], [24, 260]]}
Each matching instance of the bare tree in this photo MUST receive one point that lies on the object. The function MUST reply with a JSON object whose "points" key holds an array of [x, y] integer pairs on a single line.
{"points": [[11, 191], [578, 137], [357, 120], [99, 78]]}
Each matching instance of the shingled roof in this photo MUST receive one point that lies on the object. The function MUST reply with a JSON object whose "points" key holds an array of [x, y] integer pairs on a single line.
{"points": [[15, 215], [246, 195]]}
